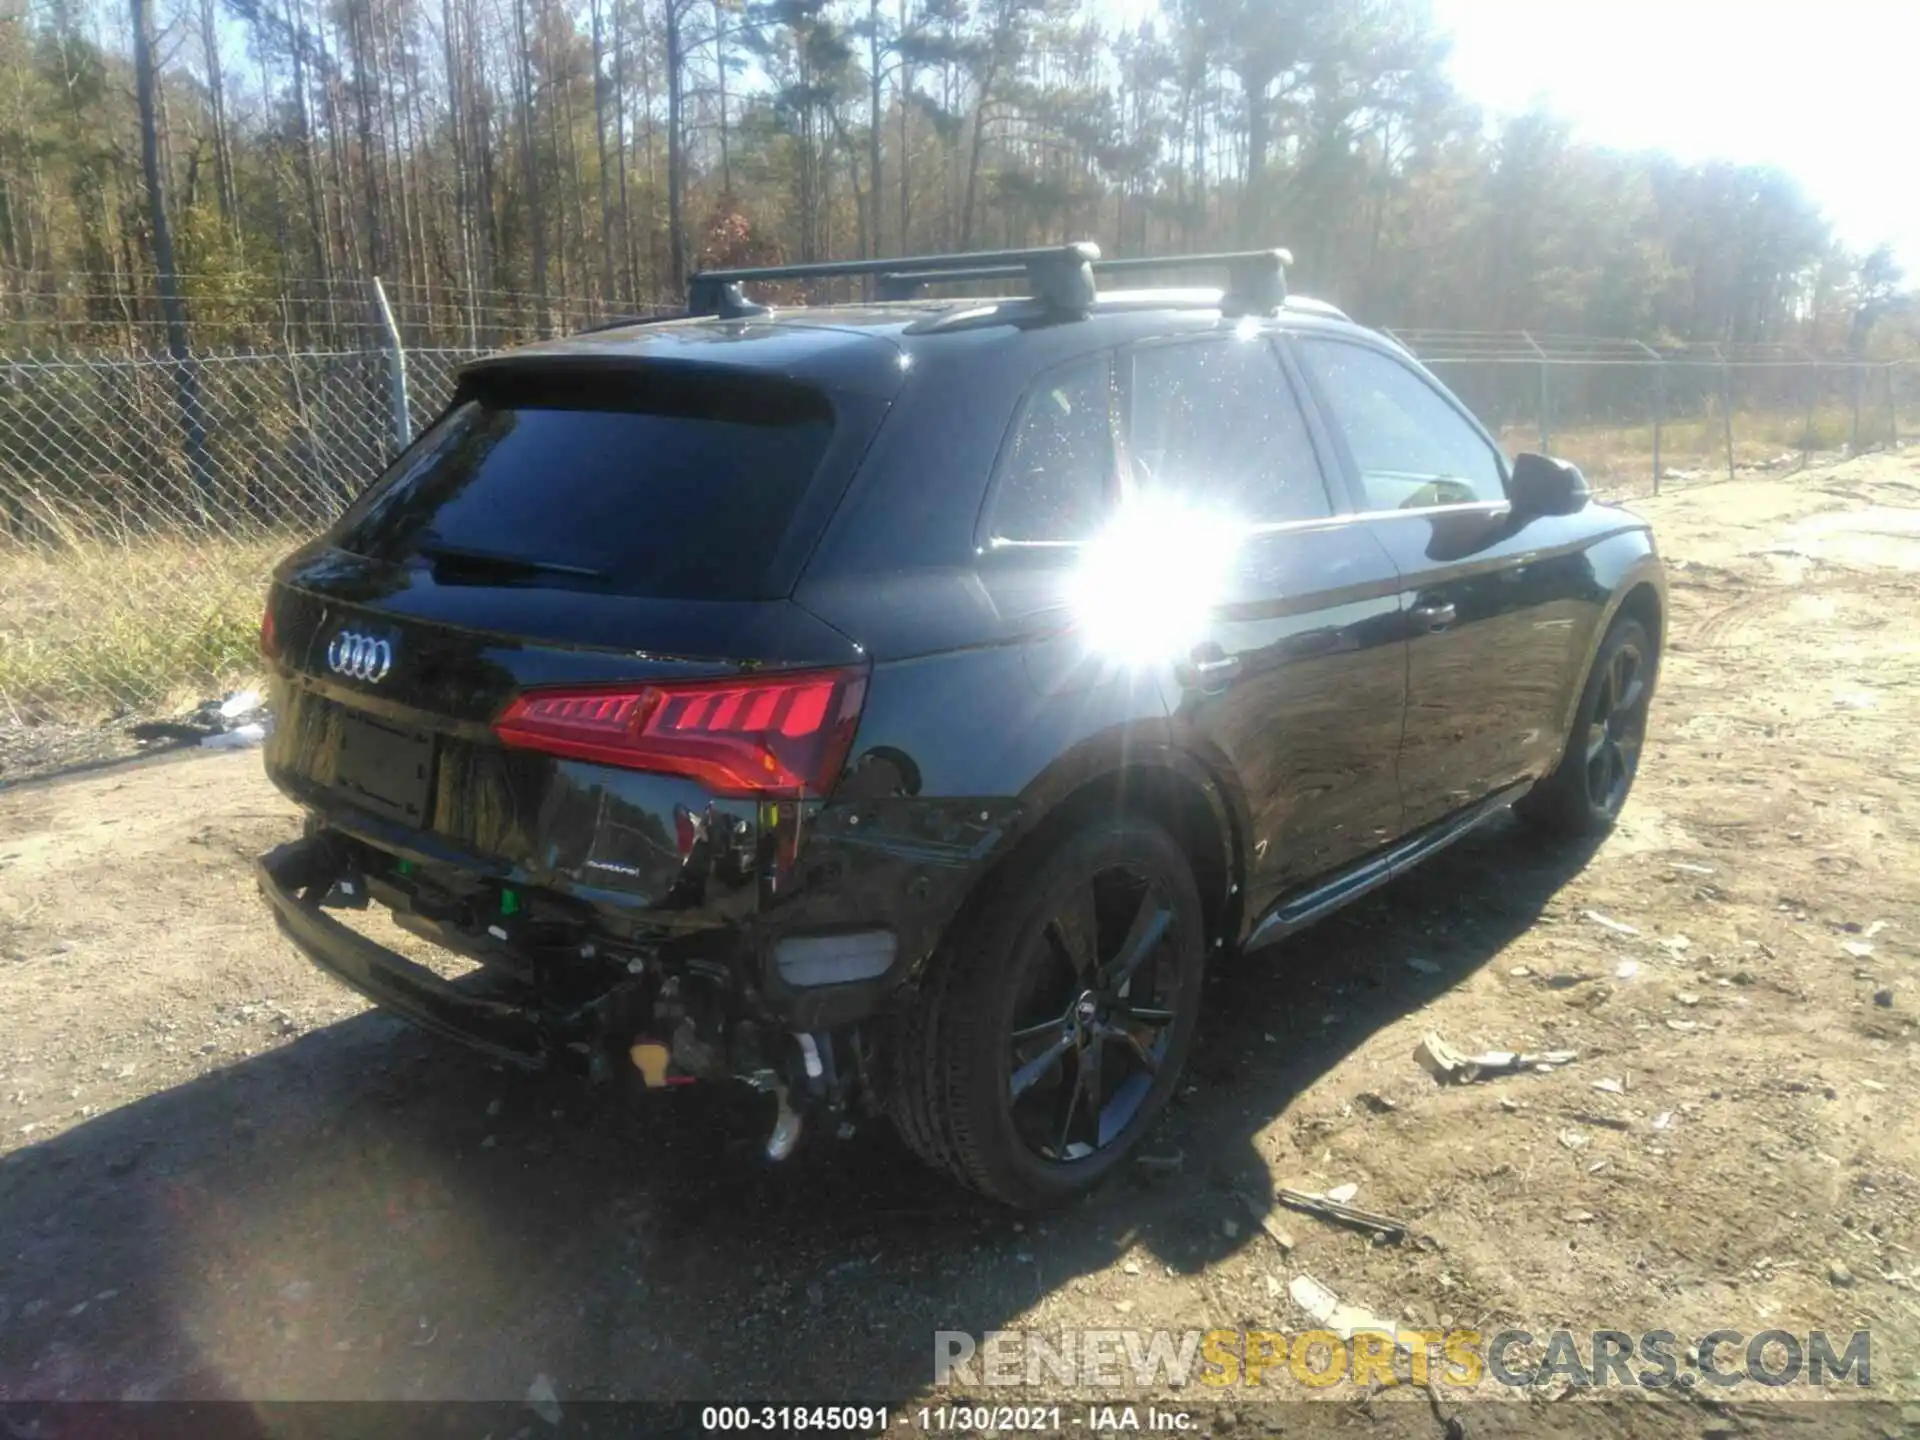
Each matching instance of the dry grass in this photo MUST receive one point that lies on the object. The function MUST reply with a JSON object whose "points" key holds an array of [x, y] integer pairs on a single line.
{"points": [[98, 627]]}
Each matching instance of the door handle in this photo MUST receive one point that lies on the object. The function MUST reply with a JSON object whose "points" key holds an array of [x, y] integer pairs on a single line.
{"points": [[1433, 614]]}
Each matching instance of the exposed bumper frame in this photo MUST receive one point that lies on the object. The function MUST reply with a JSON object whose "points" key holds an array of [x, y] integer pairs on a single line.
{"points": [[510, 1032]]}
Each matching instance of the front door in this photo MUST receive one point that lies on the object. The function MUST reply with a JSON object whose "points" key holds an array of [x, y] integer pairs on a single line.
{"points": [[1300, 681], [1491, 604]]}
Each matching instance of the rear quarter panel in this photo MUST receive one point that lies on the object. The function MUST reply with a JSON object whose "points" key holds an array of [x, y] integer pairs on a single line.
{"points": [[960, 755]]}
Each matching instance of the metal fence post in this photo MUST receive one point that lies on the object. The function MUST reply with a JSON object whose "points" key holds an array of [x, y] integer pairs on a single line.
{"points": [[1546, 426], [1659, 406], [1813, 399], [1659, 414], [1726, 409], [1853, 387], [402, 420]]}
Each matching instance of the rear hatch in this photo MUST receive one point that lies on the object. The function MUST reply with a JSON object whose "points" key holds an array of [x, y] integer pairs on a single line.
{"points": [[551, 644]]}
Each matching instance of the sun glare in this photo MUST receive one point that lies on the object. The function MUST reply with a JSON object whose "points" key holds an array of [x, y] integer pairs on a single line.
{"points": [[1145, 584]]}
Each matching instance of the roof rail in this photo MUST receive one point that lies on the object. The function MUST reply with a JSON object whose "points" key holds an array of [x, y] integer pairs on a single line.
{"points": [[622, 322], [1256, 279], [1060, 275]]}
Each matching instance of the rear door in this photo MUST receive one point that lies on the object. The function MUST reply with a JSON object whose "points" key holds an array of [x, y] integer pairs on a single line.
{"points": [[1490, 605], [1300, 679]]}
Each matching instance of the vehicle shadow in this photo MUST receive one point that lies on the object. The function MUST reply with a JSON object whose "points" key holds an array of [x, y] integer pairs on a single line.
{"points": [[368, 1213]]}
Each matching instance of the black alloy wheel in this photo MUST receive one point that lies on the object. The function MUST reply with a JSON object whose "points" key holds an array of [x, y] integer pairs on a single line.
{"points": [[1051, 1028], [1586, 794], [1101, 990], [1617, 726]]}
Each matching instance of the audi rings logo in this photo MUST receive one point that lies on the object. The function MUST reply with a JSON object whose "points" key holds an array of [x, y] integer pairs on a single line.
{"points": [[361, 656]]}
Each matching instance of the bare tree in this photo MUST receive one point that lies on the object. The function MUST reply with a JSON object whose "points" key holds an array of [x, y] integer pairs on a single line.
{"points": [[530, 163], [186, 374]]}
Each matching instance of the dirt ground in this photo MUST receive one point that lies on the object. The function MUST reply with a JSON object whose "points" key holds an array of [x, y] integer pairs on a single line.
{"points": [[223, 1176]]}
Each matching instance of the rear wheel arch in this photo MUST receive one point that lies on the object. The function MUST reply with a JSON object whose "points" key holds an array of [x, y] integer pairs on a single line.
{"points": [[1175, 792]]}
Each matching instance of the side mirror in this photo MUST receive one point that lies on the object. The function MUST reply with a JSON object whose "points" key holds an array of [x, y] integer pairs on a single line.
{"points": [[1541, 485]]}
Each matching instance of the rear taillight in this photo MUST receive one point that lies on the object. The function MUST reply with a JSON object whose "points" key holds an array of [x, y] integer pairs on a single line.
{"points": [[269, 642], [775, 734]]}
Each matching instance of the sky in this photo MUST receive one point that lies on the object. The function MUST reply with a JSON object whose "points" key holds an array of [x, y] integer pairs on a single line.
{"points": [[1826, 90]]}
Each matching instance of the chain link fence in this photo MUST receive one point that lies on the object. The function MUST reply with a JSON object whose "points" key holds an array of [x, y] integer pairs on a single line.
{"points": [[143, 499], [1635, 417]]}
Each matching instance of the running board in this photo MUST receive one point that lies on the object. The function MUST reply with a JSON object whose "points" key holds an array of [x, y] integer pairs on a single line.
{"points": [[1300, 909]]}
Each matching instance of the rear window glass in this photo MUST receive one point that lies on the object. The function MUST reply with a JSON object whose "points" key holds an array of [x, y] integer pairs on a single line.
{"points": [[659, 487], [1059, 471]]}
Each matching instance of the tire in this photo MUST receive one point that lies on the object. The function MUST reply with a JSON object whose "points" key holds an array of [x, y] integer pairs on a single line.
{"points": [[1585, 794], [1009, 1115]]}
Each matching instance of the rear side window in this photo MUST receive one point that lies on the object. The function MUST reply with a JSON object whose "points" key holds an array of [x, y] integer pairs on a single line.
{"points": [[647, 485], [1058, 478], [1412, 448], [1215, 422]]}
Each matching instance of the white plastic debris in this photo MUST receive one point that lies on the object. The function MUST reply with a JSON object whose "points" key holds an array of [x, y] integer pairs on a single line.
{"points": [[1449, 1066], [1330, 1313], [243, 702], [243, 737], [1619, 927], [1343, 1193], [1626, 970]]}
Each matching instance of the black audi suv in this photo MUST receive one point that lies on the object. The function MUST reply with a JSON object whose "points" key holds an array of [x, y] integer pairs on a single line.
{"points": [[896, 705]]}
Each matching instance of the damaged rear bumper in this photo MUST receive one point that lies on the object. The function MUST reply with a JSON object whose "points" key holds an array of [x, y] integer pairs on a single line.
{"points": [[505, 1027], [554, 993]]}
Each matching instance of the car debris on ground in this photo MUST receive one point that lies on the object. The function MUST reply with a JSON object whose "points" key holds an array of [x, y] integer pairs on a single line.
{"points": [[236, 721], [1276, 1232], [1619, 927], [1450, 1067], [1339, 1211], [1329, 1312]]}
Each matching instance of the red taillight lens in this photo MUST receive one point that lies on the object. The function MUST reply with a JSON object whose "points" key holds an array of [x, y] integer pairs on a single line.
{"points": [[269, 642], [776, 734]]}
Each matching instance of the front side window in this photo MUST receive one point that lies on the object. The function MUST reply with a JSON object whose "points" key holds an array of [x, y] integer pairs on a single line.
{"points": [[1412, 448], [1215, 422], [1058, 478]]}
